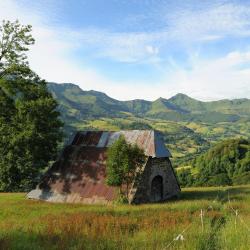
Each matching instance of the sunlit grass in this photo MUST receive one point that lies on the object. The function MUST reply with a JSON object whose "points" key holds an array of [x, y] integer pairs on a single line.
{"points": [[27, 224]]}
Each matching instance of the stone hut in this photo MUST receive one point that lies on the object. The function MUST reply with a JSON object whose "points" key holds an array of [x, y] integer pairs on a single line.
{"points": [[78, 176]]}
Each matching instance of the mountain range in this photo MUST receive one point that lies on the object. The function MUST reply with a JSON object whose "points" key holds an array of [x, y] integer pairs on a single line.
{"points": [[77, 104], [189, 126]]}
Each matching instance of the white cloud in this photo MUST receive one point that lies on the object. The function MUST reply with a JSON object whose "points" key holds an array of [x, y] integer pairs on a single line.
{"points": [[152, 50], [211, 22], [184, 26], [119, 46], [51, 56], [216, 79]]}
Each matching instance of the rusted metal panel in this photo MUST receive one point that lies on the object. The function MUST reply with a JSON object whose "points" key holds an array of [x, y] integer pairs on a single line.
{"points": [[113, 136], [148, 140], [79, 174], [82, 178], [160, 149], [103, 140]]}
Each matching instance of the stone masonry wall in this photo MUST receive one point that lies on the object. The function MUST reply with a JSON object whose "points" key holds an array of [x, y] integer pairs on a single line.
{"points": [[156, 167]]}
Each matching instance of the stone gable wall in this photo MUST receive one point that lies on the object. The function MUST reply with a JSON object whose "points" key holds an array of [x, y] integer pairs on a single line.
{"points": [[155, 167]]}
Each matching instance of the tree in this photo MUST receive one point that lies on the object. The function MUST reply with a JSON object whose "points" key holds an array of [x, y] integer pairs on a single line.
{"points": [[185, 178], [124, 162], [14, 41], [221, 164], [30, 125]]}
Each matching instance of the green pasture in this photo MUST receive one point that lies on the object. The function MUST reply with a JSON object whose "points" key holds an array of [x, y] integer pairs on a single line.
{"points": [[176, 224]]}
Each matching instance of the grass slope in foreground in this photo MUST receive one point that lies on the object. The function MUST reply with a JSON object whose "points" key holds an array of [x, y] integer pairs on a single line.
{"points": [[26, 224]]}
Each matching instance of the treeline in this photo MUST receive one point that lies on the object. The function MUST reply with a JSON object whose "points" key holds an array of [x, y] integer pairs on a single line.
{"points": [[227, 163]]}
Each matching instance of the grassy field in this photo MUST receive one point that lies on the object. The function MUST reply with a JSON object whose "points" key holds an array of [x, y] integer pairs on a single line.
{"points": [[27, 224]]}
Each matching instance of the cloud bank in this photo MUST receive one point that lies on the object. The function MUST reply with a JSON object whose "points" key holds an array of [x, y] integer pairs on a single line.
{"points": [[224, 76]]}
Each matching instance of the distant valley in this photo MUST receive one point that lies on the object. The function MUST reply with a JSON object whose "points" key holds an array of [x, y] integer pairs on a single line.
{"points": [[189, 126]]}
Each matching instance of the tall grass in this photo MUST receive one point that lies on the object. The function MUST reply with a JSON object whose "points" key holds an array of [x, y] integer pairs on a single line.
{"points": [[26, 224]]}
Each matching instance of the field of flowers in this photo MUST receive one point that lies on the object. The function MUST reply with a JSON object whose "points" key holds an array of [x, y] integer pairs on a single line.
{"points": [[202, 218]]}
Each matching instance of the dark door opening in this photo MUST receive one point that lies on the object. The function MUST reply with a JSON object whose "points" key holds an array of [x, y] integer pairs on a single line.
{"points": [[157, 189]]}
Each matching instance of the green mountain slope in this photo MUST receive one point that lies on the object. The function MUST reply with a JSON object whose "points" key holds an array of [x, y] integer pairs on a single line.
{"points": [[77, 104], [188, 103], [225, 163], [239, 107]]}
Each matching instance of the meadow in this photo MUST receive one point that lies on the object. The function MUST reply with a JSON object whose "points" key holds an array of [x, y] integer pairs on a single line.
{"points": [[176, 224]]}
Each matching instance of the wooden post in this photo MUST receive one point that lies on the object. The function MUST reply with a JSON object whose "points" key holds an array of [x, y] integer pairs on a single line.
{"points": [[235, 221], [202, 224]]}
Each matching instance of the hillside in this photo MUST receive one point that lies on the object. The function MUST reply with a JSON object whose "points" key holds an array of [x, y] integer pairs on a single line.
{"points": [[189, 126], [79, 104], [225, 163]]}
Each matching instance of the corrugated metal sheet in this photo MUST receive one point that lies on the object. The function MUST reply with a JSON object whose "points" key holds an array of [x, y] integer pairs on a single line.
{"points": [[79, 174], [149, 140], [82, 176]]}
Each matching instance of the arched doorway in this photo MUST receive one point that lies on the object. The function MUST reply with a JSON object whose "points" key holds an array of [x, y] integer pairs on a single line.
{"points": [[157, 189]]}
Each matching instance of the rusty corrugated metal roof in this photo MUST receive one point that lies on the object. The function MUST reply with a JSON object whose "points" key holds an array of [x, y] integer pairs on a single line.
{"points": [[148, 140], [82, 171]]}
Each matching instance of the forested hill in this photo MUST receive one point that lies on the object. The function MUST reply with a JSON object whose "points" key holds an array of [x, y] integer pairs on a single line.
{"points": [[225, 163], [78, 104]]}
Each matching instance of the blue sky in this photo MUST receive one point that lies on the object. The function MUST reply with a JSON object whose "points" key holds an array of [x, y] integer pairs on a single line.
{"points": [[140, 48]]}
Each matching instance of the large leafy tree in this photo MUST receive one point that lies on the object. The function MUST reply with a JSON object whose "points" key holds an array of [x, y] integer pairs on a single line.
{"points": [[124, 162], [30, 127], [223, 163]]}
